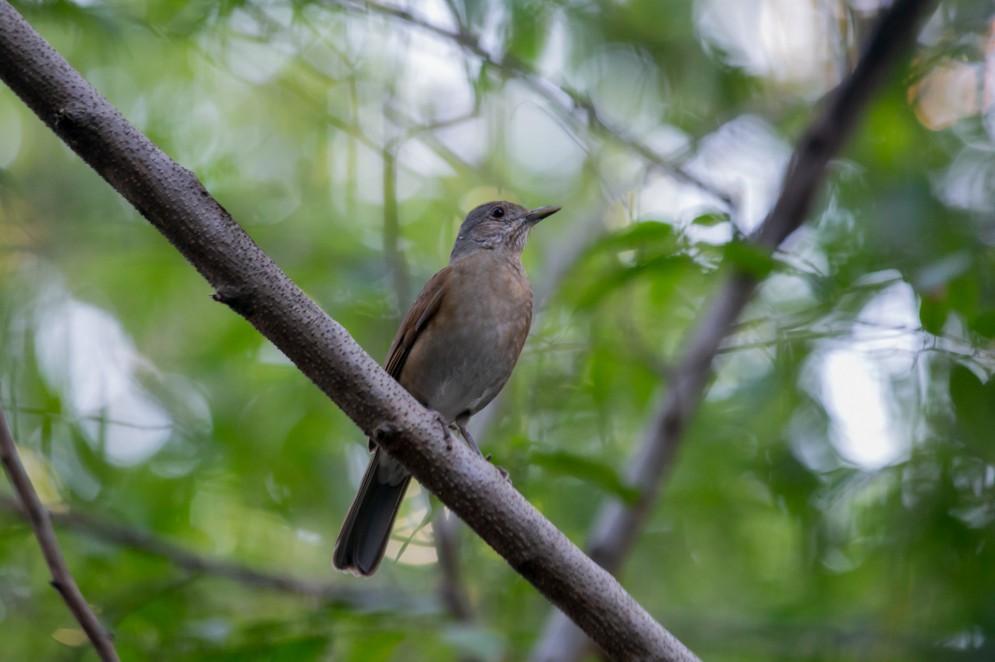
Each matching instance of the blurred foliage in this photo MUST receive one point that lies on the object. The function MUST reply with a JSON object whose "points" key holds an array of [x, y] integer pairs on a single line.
{"points": [[834, 498]]}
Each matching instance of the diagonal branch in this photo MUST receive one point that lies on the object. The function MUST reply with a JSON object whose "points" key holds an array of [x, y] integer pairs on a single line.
{"points": [[244, 278], [62, 579], [616, 526]]}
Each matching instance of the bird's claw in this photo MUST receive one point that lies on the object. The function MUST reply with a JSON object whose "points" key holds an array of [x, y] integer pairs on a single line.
{"points": [[445, 430], [504, 472]]}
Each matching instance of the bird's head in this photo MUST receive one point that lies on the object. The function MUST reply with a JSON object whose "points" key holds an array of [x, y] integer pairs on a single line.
{"points": [[498, 225]]}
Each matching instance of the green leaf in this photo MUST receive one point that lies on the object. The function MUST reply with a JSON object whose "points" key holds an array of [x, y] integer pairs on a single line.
{"points": [[711, 218], [646, 235], [623, 275], [585, 469], [645, 249], [528, 32], [933, 313], [754, 260], [974, 404], [984, 323], [963, 294]]}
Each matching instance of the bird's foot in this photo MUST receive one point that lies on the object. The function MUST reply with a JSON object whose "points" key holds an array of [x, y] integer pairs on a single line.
{"points": [[504, 472], [445, 430]]}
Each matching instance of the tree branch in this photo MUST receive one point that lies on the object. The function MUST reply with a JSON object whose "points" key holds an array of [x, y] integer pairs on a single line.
{"points": [[62, 579], [176, 203], [148, 543], [616, 526]]}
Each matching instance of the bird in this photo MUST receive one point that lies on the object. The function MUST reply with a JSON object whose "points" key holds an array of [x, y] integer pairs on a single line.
{"points": [[454, 351]]}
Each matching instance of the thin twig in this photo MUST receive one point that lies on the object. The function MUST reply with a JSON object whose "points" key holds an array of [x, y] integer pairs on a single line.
{"points": [[62, 579], [570, 104], [148, 543]]}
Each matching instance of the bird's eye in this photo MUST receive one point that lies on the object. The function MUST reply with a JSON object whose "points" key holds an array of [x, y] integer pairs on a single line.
{"points": [[498, 212]]}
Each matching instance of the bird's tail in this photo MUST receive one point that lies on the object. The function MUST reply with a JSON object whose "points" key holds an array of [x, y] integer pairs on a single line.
{"points": [[363, 539]]}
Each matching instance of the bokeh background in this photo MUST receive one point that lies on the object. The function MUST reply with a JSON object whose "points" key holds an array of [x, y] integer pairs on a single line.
{"points": [[835, 497]]}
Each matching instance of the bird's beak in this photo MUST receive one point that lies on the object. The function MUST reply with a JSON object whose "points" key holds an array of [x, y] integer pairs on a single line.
{"points": [[536, 215]]}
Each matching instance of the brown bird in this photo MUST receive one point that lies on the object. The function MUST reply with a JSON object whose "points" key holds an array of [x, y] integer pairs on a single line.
{"points": [[454, 352]]}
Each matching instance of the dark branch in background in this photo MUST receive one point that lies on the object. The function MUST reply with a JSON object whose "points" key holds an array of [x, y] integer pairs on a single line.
{"points": [[244, 278], [62, 579], [570, 104], [452, 591], [396, 264], [142, 541], [446, 529], [616, 526]]}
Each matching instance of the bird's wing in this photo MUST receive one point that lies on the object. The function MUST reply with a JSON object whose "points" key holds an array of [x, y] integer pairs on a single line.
{"points": [[421, 311]]}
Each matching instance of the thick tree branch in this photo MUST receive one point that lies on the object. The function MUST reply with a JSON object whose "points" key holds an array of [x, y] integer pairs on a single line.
{"points": [[616, 526], [62, 579], [176, 203], [326, 592]]}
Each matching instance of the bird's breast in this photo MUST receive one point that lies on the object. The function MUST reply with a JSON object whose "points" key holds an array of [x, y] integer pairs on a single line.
{"points": [[468, 349]]}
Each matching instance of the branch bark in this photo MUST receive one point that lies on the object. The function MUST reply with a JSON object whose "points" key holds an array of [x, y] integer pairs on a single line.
{"points": [[244, 278], [616, 526], [62, 579]]}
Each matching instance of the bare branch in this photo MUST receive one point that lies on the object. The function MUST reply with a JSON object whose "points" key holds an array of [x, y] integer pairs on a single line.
{"points": [[62, 579], [177, 204], [616, 526]]}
